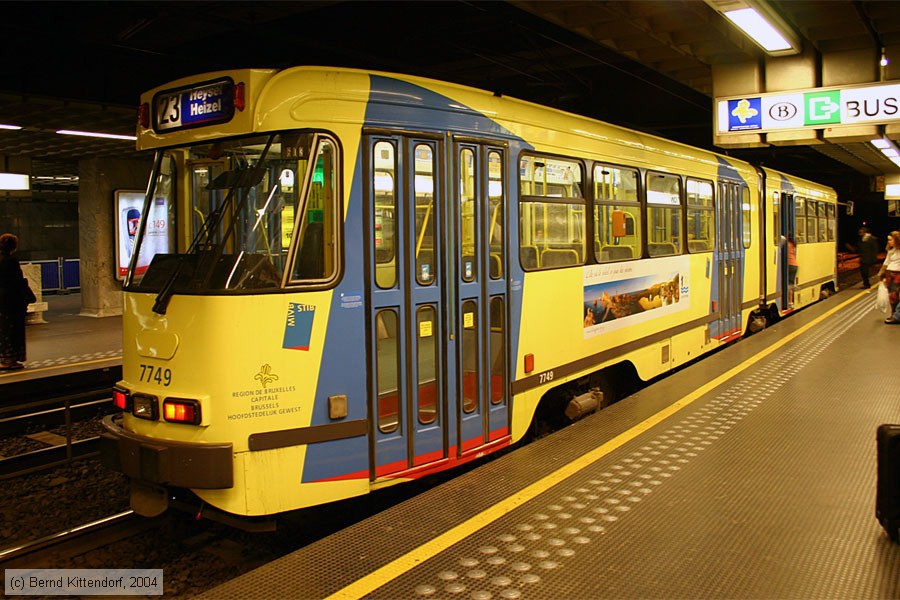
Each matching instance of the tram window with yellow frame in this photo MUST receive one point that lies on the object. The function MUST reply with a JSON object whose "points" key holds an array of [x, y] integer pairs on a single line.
{"points": [[701, 216], [823, 222], [811, 207], [663, 214], [799, 220], [551, 213], [263, 211], [617, 214], [830, 216]]}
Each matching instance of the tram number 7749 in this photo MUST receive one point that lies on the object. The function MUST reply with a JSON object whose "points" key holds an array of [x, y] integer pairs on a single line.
{"points": [[157, 375]]}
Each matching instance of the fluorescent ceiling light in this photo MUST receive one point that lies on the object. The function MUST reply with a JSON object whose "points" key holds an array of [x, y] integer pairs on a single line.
{"points": [[14, 182], [890, 152], [112, 136], [759, 29], [761, 23], [881, 143], [12, 127]]}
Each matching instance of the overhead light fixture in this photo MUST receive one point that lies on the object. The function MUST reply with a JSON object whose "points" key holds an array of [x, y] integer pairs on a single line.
{"points": [[884, 59], [11, 127], [759, 21], [888, 148], [111, 136], [14, 182]]}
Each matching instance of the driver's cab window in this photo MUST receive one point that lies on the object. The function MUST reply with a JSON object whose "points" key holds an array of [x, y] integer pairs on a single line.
{"points": [[317, 223]]}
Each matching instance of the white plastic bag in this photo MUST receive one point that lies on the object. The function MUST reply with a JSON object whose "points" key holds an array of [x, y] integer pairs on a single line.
{"points": [[882, 302]]}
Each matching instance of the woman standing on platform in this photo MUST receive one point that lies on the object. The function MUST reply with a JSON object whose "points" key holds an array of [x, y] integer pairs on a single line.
{"points": [[890, 273], [13, 305]]}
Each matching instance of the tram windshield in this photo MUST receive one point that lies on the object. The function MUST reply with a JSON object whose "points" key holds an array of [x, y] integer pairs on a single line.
{"points": [[242, 201]]}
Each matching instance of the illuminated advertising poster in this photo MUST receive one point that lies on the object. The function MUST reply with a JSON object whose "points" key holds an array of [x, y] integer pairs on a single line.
{"points": [[129, 205], [621, 294]]}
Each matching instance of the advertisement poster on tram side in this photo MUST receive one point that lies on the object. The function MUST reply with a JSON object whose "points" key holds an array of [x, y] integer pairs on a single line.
{"points": [[625, 293]]}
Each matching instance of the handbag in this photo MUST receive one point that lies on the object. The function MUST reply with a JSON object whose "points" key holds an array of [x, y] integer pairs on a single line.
{"points": [[882, 299], [27, 294]]}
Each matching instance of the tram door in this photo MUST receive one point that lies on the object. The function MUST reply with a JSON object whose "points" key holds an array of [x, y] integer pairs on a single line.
{"points": [[480, 311], [405, 206], [788, 231], [437, 295], [730, 258]]}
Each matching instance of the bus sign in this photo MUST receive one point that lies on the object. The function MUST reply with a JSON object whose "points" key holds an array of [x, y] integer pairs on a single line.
{"points": [[809, 109], [195, 106]]}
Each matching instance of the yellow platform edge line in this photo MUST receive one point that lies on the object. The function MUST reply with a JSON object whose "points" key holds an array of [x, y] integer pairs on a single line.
{"points": [[417, 556]]}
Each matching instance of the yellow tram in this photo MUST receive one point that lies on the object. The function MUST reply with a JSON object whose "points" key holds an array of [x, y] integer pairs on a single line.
{"points": [[346, 279]]}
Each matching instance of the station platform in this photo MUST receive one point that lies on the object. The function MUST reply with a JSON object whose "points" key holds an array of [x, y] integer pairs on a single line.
{"points": [[65, 342], [748, 474]]}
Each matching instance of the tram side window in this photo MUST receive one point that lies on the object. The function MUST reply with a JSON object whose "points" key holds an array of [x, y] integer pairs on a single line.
{"points": [[776, 217], [426, 364], [830, 216], [701, 231], [387, 361], [551, 211], [384, 234], [496, 200], [617, 214], [316, 258], [468, 221], [823, 222], [811, 209], [426, 253], [663, 214], [746, 216], [799, 220]]}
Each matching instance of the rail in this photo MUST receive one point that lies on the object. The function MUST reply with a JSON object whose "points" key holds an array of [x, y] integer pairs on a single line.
{"points": [[112, 526]]}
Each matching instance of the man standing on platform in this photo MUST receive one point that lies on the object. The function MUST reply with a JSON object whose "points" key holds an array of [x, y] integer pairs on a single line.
{"points": [[868, 254]]}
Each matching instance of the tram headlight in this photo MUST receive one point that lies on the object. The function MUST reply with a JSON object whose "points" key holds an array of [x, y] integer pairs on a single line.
{"points": [[145, 406], [180, 410]]}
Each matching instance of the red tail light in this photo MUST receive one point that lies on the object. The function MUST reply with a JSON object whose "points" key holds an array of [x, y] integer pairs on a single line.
{"points": [[144, 115], [176, 410], [120, 398], [239, 96]]}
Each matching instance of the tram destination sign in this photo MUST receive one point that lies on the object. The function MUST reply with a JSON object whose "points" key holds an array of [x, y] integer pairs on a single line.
{"points": [[808, 109], [199, 105]]}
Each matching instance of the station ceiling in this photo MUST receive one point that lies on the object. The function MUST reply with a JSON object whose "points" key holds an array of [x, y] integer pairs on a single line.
{"points": [[643, 64]]}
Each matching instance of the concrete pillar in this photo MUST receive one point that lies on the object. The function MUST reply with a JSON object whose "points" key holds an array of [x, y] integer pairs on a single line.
{"points": [[99, 178]]}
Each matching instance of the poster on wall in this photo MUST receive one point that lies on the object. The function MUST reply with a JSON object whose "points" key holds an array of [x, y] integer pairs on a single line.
{"points": [[128, 207]]}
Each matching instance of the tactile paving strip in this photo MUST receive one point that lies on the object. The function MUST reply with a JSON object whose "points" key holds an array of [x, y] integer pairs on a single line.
{"points": [[604, 533]]}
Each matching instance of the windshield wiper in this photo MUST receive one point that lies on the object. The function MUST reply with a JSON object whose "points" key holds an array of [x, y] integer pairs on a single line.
{"points": [[245, 180]]}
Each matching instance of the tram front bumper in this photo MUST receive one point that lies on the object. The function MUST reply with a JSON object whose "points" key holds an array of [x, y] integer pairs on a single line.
{"points": [[166, 462]]}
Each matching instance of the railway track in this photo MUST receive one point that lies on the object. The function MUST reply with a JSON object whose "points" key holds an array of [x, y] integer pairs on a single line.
{"points": [[76, 540]]}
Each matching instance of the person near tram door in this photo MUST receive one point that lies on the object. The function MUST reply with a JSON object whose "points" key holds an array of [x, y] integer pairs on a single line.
{"points": [[890, 275], [14, 299], [792, 268]]}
